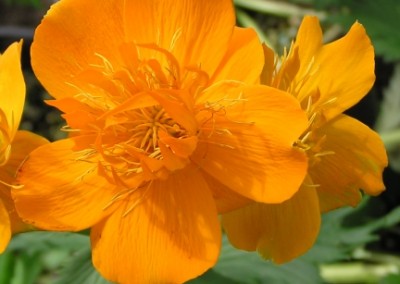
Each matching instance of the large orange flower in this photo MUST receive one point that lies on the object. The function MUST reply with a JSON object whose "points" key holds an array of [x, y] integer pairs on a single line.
{"points": [[167, 129], [344, 154], [14, 145]]}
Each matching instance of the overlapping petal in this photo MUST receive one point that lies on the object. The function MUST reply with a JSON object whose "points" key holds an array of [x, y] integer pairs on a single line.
{"points": [[62, 189], [241, 61], [357, 163], [168, 235], [246, 147], [344, 155], [5, 227], [167, 133], [279, 232], [64, 44], [341, 72], [24, 142], [12, 90], [196, 32]]}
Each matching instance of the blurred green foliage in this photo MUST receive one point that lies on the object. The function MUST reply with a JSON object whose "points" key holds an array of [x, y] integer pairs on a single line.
{"points": [[380, 18], [34, 3]]}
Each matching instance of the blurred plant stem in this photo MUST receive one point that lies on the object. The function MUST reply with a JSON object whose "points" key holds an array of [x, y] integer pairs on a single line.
{"points": [[391, 139], [276, 8], [368, 267]]}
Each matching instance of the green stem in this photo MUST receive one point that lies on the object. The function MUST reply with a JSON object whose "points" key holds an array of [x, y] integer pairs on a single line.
{"points": [[391, 139], [275, 8], [356, 272]]}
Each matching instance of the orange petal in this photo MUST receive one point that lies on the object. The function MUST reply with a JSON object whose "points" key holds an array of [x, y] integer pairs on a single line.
{"points": [[357, 163], [196, 32], [280, 232], [62, 188], [72, 34], [308, 41], [170, 235], [24, 142], [343, 72], [225, 199], [5, 228], [12, 87], [247, 143], [269, 66], [244, 58]]}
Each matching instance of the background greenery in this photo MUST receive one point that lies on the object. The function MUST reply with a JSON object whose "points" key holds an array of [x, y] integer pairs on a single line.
{"points": [[359, 245]]}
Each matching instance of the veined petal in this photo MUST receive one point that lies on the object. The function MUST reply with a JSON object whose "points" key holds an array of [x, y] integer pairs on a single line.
{"points": [[5, 227], [24, 142], [62, 189], [170, 235], [183, 30], [357, 163], [244, 58], [73, 34], [308, 41], [225, 198], [342, 72], [279, 232], [247, 143], [12, 87]]}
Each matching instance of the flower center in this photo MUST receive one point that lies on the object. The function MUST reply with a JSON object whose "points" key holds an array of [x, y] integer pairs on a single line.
{"points": [[143, 112]]}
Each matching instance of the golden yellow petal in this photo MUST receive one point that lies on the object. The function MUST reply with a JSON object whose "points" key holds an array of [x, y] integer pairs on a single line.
{"points": [[247, 142], [243, 60], [196, 32], [23, 143], [12, 89], [5, 227], [73, 34], [169, 235], [280, 232], [340, 73], [357, 163], [63, 188]]}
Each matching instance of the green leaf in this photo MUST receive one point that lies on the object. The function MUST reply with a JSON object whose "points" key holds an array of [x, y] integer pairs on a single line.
{"points": [[236, 266], [337, 241], [79, 269], [32, 242], [381, 20], [391, 279], [6, 267]]}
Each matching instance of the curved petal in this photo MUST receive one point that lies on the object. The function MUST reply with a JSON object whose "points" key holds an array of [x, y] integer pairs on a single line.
{"points": [[170, 235], [247, 142], [357, 163], [244, 58], [62, 188], [23, 143], [342, 72], [308, 41], [225, 198], [73, 34], [12, 87], [279, 232], [196, 32], [5, 228]]}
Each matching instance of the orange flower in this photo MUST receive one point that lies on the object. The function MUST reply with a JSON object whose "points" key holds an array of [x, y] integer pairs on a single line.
{"points": [[167, 129], [14, 145], [344, 154]]}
